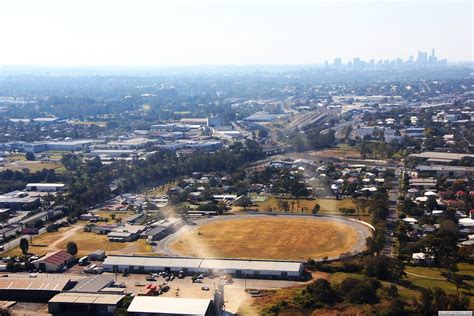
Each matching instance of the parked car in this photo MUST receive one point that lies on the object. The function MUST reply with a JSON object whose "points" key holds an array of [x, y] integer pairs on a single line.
{"points": [[98, 270], [90, 269], [150, 278], [205, 288], [84, 261]]}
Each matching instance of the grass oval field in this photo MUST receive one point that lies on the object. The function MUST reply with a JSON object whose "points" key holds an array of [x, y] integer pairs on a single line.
{"points": [[269, 238]]}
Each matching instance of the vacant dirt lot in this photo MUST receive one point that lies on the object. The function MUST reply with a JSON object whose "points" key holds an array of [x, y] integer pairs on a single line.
{"points": [[269, 238]]}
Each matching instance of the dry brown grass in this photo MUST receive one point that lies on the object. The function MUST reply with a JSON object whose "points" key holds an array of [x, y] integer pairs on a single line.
{"points": [[328, 206], [342, 152], [90, 242], [268, 238], [33, 166], [118, 214], [86, 243]]}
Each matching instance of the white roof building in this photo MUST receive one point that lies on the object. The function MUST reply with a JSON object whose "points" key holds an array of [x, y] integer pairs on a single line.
{"points": [[239, 268], [149, 305], [410, 220], [466, 222], [44, 187]]}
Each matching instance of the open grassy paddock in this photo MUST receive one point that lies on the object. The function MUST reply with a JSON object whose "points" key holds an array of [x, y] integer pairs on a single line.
{"points": [[342, 151], [268, 238], [328, 206], [124, 215], [33, 166], [430, 278], [86, 243]]}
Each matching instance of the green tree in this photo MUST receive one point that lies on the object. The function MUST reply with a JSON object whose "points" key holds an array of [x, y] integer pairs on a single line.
{"points": [[30, 156], [359, 291], [396, 308], [316, 209], [24, 245], [71, 248], [317, 293]]}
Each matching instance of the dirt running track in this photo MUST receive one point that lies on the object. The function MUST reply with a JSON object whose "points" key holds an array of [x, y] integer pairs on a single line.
{"points": [[291, 237]]}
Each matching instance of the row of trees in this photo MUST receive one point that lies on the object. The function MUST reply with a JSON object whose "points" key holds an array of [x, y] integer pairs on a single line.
{"points": [[17, 180], [90, 181]]}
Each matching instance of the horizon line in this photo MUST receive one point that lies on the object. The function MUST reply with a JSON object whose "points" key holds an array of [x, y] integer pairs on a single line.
{"points": [[194, 65]]}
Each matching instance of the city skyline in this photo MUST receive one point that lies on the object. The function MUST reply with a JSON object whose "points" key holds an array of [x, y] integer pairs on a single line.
{"points": [[206, 32], [422, 60]]}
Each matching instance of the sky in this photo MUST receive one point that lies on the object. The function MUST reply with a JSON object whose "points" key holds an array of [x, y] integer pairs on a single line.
{"points": [[211, 32]]}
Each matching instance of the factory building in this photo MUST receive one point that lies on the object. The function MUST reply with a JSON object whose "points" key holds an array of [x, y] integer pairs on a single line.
{"points": [[45, 187], [72, 303], [148, 305], [239, 268], [75, 145], [19, 201], [32, 289]]}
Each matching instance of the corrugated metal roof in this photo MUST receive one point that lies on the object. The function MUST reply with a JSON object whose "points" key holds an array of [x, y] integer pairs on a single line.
{"points": [[39, 284], [93, 284], [234, 264], [57, 257], [87, 298], [169, 305]]}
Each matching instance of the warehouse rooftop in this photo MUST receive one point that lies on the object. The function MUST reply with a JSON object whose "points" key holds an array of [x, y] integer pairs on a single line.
{"points": [[169, 305], [39, 284], [87, 298]]}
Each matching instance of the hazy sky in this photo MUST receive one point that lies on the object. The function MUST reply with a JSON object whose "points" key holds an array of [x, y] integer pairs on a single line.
{"points": [[177, 32]]}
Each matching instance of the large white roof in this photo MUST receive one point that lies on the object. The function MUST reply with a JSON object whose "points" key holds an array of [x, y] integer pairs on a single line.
{"points": [[153, 262], [169, 305], [45, 185], [232, 264]]}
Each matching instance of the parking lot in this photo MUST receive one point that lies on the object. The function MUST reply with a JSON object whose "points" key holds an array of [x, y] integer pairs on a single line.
{"points": [[235, 293]]}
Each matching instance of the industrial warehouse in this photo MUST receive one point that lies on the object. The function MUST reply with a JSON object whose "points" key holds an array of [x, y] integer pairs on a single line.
{"points": [[35, 290], [238, 268]]}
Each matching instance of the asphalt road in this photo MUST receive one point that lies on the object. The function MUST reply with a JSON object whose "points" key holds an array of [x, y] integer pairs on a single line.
{"points": [[15, 242], [392, 214]]}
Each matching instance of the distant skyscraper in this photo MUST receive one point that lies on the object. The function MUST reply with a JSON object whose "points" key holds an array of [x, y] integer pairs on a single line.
{"points": [[422, 60], [357, 63]]}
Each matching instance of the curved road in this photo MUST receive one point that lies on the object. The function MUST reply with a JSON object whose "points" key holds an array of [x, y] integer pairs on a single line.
{"points": [[363, 231]]}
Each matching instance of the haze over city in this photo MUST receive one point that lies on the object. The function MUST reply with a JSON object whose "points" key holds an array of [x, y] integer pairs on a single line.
{"points": [[145, 32], [240, 157]]}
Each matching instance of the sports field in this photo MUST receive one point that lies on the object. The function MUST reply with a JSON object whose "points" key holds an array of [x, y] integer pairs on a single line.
{"points": [[269, 238]]}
